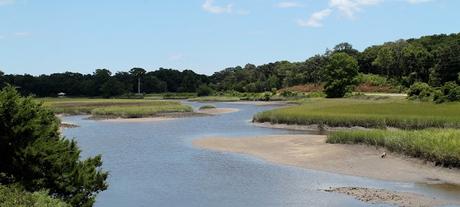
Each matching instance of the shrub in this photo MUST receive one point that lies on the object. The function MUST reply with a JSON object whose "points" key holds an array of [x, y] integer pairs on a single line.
{"points": [[14, 196], [204, 90], [373, 80], [35, 155], [288, 94], [420, 91], [448, 93]]}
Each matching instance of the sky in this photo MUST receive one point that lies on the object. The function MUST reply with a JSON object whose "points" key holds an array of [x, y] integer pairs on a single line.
{"points": [[50, 36]]}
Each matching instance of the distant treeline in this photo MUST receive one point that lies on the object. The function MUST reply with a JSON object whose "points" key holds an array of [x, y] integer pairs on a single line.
{"points": [[431, 59], [103, 83]]}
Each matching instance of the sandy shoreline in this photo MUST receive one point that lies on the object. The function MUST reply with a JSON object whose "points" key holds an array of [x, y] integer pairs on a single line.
{"points": [[311, 152], [216, 111]]}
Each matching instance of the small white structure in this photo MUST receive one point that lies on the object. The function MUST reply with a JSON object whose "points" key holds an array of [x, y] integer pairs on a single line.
{"points": [[61, 94]]}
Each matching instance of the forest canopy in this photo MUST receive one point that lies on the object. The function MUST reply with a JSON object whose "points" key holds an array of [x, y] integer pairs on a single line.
{"points": [[434, 60]]}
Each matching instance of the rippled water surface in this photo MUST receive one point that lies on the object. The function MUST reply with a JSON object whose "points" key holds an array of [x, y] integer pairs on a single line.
{"points": [[155, 164]]}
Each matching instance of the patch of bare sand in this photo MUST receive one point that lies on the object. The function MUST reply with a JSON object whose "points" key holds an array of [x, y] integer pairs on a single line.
{"points": [[216, 111], [311, 152], [380, 196]]}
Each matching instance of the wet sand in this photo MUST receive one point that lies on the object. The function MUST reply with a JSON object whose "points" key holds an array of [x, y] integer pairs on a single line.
{"points": [[216, 111], [311, 152]]}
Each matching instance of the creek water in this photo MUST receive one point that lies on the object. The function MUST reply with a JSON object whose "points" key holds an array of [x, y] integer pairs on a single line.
{"points": [[155, 164]]}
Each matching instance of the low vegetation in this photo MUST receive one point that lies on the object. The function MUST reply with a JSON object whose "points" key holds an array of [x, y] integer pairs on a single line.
{"points": [[207, 107], [449, 92], [441, 146], [140, 111], [15, 197], [114, 107], [382, 113]]}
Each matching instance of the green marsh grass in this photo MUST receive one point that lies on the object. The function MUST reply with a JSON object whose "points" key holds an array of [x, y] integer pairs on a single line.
{"points": [[441, 146], [393, 112], [125, 108]]}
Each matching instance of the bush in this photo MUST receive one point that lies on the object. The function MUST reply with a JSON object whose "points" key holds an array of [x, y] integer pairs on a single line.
{"points": [[288, 94], [373, 80], [35, 155], [204, 90], [14, 196], [421, 91], [448, 93]]}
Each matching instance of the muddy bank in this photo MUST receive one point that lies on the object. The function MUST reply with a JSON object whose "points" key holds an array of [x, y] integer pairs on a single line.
{"points": [[68, 125], [380, 196], [311, 152]]}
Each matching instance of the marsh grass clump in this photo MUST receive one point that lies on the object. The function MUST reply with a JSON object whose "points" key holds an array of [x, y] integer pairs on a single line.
{"points": [[113, 108], [207, 107], [441, 146], [393, 113], [138, 112]]}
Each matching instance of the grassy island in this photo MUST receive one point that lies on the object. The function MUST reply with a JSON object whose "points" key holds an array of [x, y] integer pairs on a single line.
{"points": [[115, 108]]}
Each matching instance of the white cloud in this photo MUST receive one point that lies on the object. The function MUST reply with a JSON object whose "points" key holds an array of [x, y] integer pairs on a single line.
{"points": [[209, 6], [288, 4], [418, 1], [350, 7], [315, 19], [345, 7], [5, 2]]}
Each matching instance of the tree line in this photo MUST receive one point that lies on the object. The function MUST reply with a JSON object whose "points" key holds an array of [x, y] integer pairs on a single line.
{"points": [[434, 60], [430, 59], [104, 83]]}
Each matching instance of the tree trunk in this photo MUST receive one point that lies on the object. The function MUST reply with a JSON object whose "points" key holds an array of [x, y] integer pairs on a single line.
{"points": [[139, 85]]}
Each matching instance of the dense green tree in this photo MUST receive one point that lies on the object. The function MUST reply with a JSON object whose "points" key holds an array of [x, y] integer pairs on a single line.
{"points": [[35, 155], [341, 75], [112, 88], [204, 90], [138, 73], [2, 79], [347, 48], [447, 66]]}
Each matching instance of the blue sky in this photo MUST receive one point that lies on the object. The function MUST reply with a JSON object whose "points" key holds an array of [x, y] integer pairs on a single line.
{"points": [[47, 36]]}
